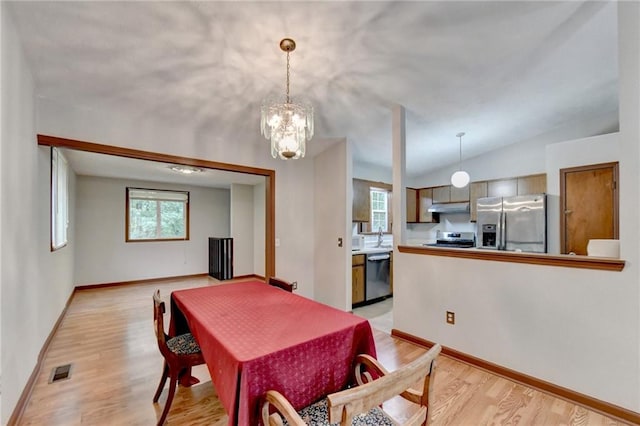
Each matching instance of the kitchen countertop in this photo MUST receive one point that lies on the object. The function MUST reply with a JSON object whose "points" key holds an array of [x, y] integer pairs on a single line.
{"points": [[372, 250]]}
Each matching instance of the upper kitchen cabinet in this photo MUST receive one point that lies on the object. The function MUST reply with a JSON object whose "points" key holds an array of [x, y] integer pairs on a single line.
{"points": [[502, 187], [459, 195], [532, 184], [442, 194], [412, 205], [361, 201], [450, 194], [425, 200], [476, 190]]}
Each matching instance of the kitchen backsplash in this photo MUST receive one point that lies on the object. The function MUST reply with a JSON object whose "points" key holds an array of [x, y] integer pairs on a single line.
{"points": [[371, 240], [424, 233]]}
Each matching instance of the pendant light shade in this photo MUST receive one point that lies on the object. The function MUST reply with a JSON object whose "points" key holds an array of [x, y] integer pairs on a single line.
{"points": [[460, 179]]}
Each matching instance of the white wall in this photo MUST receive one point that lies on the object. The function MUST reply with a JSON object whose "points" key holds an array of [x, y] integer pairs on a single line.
{"points": [[242, 229], [519, 159], [102, 254], [35, 282], [1, 205], [372, 172], [576, 328], [594, 150], [137, 130], [259, 215], [333, 205]]}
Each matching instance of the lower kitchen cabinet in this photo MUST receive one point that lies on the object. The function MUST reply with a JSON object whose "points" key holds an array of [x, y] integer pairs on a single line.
{"points": [[357, 278]]}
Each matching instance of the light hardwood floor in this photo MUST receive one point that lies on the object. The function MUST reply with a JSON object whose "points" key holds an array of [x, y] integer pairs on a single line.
{"points": [[107, 335]]}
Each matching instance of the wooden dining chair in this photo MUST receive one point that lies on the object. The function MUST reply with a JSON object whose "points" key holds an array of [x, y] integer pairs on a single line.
{"points": [[285, 285], [361, 404], [180, 354]]}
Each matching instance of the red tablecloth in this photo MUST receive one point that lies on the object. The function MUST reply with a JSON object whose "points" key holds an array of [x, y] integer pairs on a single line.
{"points": [[255, 337]]}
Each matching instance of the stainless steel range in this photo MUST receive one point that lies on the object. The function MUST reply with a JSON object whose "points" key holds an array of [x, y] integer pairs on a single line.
{"points": [[454, 239]]}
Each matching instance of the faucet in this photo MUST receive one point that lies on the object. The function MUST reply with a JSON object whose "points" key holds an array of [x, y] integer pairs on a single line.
{"points": [[379, 236]]}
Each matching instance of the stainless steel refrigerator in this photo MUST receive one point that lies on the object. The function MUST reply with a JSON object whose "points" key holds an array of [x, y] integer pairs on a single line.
{"points": [[517, 223]]}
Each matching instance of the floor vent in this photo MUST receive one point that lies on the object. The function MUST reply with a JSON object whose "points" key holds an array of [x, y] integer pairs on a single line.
{"points": [[59, 373]]}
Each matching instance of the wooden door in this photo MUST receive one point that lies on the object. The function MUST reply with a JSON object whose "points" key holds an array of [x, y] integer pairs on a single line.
{"points": [[357, 278], [502, 187], [442, 194], [458, 195], [412, 207], [361, 210], [589, 205], [532, 184], [476, 190], [425, 201]]}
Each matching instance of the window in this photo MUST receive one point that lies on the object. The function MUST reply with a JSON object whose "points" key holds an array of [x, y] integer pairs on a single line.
{"points": [[59, 200], [379, 210], [156, 214]]}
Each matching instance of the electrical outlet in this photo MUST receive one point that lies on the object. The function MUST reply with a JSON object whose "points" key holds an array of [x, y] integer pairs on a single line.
{"points": [[451, 317]]}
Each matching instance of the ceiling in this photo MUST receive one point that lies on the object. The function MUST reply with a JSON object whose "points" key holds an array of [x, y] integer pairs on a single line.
{"points": [[503, 72], [109, 166]]}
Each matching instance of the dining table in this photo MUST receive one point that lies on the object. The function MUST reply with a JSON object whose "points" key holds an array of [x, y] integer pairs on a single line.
{"points": [[255, 337]]}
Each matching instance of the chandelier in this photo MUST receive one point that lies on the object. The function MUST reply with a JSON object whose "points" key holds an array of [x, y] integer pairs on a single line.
{"points": [[460, 179], [287, 123]]}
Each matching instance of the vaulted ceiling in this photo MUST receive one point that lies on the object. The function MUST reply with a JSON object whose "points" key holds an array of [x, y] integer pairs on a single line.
{"points": [[503, 72]]}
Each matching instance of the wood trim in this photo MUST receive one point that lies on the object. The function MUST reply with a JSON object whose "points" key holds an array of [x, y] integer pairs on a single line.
{"points": [[270, 177], [56, 141], [530, 381], [25, 396], [144, 281], [249, 276], [566, 261], [270, 226]]}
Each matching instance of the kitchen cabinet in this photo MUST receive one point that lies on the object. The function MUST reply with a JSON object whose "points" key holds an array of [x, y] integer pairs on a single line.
{"points": [[425, 200], [361, 211], [532, 184], [412, 206], [441, 194], [357, 278], [476, 190], [459, 195], [502, 187]]}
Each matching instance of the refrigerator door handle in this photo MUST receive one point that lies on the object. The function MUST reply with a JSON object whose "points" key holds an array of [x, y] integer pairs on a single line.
{"points": [[499, 233], [503, 230]]}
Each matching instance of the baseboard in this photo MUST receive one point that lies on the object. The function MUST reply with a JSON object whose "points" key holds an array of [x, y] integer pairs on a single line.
{"points": [[594, 404], [248, 276], [16, 414], [144, 281]]}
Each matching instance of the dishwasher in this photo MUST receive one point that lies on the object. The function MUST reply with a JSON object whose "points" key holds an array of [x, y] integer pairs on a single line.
{"points": [[377, 280]]}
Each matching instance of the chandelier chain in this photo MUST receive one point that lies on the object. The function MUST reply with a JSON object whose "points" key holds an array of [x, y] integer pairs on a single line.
{"points": [[288, 68]]}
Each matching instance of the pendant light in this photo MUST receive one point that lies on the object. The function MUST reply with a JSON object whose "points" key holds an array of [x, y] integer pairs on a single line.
{"points": [[287, 123], [460, 179]]}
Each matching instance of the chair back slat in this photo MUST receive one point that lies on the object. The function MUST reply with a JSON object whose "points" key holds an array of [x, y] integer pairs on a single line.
{"points": [[345, 404]]}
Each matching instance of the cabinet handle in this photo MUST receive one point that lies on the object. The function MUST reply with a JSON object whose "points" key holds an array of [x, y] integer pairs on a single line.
{"points": [[568, 211]]}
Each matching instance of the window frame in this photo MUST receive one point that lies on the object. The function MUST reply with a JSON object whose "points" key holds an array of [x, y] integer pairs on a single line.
{"points": [[59, 236], [387, 194], [187, 215]]}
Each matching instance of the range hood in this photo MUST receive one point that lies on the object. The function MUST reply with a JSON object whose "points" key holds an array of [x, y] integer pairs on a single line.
{"points": [[450, 208]]}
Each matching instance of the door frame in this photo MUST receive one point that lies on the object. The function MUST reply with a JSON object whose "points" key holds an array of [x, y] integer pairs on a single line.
{"points": [[616, 201], [270, 179]]}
